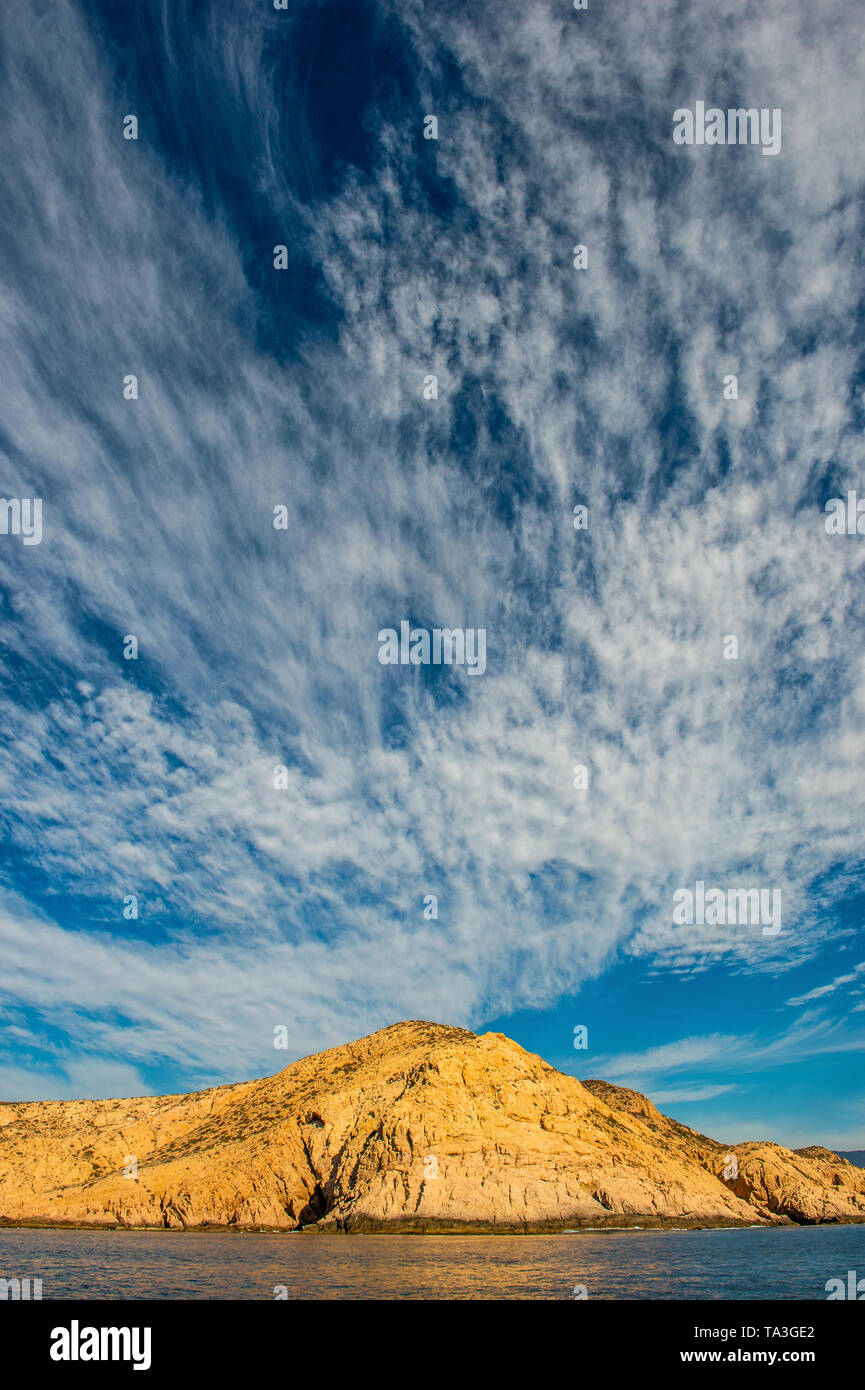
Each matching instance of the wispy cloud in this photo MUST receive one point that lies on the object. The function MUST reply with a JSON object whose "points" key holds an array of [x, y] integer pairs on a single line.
{"points": [[812, 1035], [820, 991], [683, 1094], [257, 646]]}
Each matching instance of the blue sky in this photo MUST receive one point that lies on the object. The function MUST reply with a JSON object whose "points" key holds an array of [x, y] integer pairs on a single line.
{"points": [[303, 388]]}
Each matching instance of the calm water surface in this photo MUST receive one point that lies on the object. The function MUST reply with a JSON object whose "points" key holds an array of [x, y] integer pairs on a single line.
{"points": [[789, 1263]]}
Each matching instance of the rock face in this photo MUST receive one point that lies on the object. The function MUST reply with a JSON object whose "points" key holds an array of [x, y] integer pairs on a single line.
{"points": [[804, 1185], [418, 1127]]}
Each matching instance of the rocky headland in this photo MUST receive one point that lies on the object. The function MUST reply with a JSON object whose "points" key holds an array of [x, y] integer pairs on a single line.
{"points": [[417, 1128]]}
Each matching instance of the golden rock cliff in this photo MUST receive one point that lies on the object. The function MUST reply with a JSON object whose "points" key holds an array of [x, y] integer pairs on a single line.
{"points": [[417, 1127]]}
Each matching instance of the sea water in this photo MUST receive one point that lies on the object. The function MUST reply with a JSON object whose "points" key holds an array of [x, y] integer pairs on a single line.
{"points": [[778, 1263]]}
